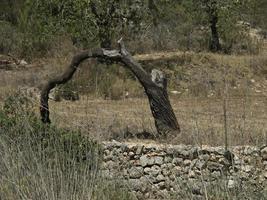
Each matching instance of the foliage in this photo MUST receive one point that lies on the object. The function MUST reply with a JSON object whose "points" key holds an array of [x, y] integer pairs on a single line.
{"points": [[18, 119], [117, 18], [31, 28], [221, 14]]}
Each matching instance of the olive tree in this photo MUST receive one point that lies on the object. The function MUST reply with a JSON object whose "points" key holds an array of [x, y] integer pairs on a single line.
{"points": [[154, 84], [220, 16]]}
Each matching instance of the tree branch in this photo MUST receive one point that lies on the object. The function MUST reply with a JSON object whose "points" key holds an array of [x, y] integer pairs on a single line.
{"points": [[135, 67]]}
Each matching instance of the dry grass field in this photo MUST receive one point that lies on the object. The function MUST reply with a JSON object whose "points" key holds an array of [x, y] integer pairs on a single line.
{"points": [[214, 57], [198, 104], [201, 120]]}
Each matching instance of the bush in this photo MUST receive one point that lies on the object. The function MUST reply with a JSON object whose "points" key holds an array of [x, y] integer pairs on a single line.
{"points": [[45, 162], [26, 44], [9, 38]]}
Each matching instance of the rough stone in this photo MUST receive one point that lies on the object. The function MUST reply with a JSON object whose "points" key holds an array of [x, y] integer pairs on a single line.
{"points": [[213, 166], [131, 154], [146, 161], [187, 162], [169, 165], [153, 168], [135, 184], [161, 185], [158, 160], [136, 172], [110, 164], [216, 174], [193, 163], [231, 184], [167, 159], [147, 170], [246, 168], [165, 172], [191, 174], [264, 153], [144, 181], [205, 157], [160, 177], [177, 161], [185, 153], [177, 170], [139, 149], [200, 164]]}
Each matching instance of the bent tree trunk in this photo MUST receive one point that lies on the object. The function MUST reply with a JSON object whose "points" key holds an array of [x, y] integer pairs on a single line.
{"points": [[155, 86], [161, 108]]}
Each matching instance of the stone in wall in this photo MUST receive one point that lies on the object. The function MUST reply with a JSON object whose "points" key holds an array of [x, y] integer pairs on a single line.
{"points": [[156, 171]]}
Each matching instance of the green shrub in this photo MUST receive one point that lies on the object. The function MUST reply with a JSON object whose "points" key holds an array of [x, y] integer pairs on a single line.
{"points": [[45, 162], [9, 38]]}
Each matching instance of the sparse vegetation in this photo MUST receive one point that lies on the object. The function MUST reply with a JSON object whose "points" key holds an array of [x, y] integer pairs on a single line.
{"points": [[212, 52], [46, 162]]}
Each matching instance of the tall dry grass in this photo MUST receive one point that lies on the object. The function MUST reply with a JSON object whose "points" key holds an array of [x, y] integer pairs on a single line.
{"points": [[46, 162]]}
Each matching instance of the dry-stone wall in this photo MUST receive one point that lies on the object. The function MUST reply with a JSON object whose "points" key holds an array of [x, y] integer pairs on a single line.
{"points": [[159, 171]]}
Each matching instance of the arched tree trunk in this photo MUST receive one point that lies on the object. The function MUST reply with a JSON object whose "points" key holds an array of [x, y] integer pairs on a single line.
{"points": [[155, 86]]}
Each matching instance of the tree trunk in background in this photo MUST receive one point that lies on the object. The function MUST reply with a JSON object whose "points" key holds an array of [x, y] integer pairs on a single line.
{"points": [[155, 86], [215, 45]]}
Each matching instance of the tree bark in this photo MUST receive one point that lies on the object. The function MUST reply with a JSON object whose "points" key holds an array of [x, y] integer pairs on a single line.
{"points": [[215, 45], [155, 86]]}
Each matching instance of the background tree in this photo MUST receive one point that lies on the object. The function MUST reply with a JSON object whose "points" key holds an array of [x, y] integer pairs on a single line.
{"points": [[36, 26], [221, 17], [10, 10], [114, 17], [254, 12]]}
